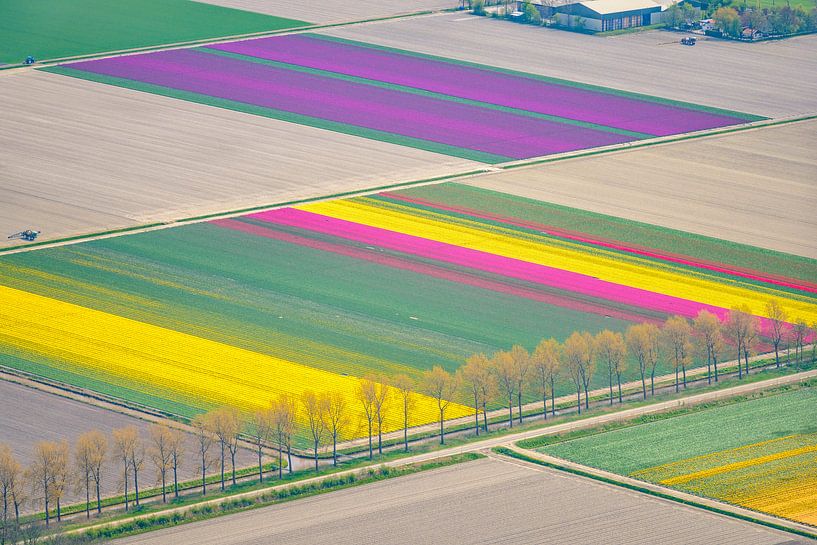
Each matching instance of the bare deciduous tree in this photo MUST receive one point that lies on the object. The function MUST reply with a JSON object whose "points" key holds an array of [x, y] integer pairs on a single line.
{"points": [[640, 339], [176, 446], [579, 351], [382, 395], [521, 367], [204, 441], [777, 316], [160, 453], [312, 411], [503, 369], [225, 424], [405, 387], [676, 335], [260, 430], [335, 415], [11, 474], [611, 350], [707, 329], [799, 333], [89, 458], [284, 411], [367, 394], [48, 474], [546, 360], [473, 376], [441, 385], [737, 329]]}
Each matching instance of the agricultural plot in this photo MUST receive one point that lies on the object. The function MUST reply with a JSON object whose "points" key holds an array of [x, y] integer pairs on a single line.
{"points": [[465, 110], [768, 466], [651, 62], [337, 10], [52, 29], [235, 311]]}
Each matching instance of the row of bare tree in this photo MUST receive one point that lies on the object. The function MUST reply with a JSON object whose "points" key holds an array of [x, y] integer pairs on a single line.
{"points": [[329, 417]]}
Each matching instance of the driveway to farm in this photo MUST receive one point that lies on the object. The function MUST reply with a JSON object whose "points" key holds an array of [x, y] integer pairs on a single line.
{"points": [[487, 444], [484, 501]]}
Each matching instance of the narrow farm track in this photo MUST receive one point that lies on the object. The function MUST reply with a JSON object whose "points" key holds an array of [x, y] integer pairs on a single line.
{"points": [[509, 440]]}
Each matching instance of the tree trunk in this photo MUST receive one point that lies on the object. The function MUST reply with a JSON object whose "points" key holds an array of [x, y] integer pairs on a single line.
{"points": [[745, 358], [203, 475], [476, 414], [136, 485], [405, 424], [222, 465], [379, 438], [315, 450], [260, 466], [59, 513], [610, 377], [175, 478], [684, 371], [643, 385], [510, 410], [280, 462], [618, 380], [164, 486], [87, 497], [371, 451], [335, 449], [545, 405], [485, 416], [586, 397], [519, 404], [777, 354], [98, 498], [740, 367], [47, 514], [126, 487], [232, 461], [715, 365], [578, 399], [552, 397], [708, 366], [289, 457], [442, 429], [676, 379], [652, 382]]}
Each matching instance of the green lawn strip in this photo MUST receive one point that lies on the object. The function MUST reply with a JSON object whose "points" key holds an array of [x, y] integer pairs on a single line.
{"points": [[229, 505], [707, 429], [547, 79], [622, 230], [50, 29], [537, 236], [371, 134], [520, 456], [420, 92]]}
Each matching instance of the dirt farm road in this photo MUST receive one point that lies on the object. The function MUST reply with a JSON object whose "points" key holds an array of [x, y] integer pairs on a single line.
{"points": [[496, 504]]}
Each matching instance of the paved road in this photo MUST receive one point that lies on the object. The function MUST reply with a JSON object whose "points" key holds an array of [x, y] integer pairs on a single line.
{"points": [[770, 78], [485, 501], [757, 187]]}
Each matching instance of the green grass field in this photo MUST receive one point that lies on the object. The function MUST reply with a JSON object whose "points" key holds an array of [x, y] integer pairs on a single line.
{"points": [[635, 448], [52, 29]]}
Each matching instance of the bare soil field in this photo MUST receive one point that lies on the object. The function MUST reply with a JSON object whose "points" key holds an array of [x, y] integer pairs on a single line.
{"points": [[335, 10], [757, 187], [772, 79], [29, 416], [486, 501], [80, 157]]}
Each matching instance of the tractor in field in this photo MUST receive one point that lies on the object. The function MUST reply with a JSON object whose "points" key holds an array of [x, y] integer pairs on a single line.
{"points": [[28, 235], [689, 40]]}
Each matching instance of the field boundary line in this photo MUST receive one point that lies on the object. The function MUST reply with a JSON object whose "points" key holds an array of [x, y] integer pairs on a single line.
{"points": [[481, 171], [661, 492]]}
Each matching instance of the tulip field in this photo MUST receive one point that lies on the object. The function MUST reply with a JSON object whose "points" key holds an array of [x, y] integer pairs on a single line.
{"points": [[238, 310], [461, 109], [760, 454]]}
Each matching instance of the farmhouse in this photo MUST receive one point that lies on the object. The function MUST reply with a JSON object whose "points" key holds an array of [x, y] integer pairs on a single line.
{"points": [[598, 15]]}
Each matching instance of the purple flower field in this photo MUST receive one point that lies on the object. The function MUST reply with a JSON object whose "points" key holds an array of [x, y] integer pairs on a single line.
{"points": [[465, 108]]}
